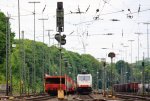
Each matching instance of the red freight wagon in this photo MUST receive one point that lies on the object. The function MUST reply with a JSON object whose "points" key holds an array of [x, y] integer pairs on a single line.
{"points": [[134, 87], [127, 87], [52, 84]]}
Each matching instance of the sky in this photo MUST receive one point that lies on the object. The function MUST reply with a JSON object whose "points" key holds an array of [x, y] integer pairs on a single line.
{"points": [[84, 33]]}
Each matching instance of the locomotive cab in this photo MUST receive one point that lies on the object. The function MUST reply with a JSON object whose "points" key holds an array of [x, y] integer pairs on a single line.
{"points": [[84, 83]]}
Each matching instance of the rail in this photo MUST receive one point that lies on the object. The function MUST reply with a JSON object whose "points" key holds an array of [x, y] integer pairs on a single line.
{"points": [[38, 98], [87, 98], [35, 97], [126, 96]]}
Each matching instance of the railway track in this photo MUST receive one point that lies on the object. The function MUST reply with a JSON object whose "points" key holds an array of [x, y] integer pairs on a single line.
{"points": [[89, 97], [133, 97], [39, 98], [28, 98]]}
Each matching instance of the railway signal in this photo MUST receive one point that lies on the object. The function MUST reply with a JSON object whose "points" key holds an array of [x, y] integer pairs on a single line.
{"points": [[111, 55], [61, 39], [104, 64], [57, 37], [60, 17]]}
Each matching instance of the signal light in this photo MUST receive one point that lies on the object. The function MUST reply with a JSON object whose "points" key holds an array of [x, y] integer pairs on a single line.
{"points": [[57, 37], [59, 5], [143, 64], [61, 39], [60, 17], [104, 64]]}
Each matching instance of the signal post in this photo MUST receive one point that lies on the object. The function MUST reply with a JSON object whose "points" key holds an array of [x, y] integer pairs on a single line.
{"points": [[111, 55], [104, 64], [61, 40]]}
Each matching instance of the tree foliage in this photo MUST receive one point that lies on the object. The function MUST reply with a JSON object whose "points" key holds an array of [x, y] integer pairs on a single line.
{"points": [[3, 30], [49, 59]]}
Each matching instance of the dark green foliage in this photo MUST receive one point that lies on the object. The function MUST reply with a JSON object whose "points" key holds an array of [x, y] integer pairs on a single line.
{"points": [[123, 71], [2, 36], [3, 31], [120, 65]]}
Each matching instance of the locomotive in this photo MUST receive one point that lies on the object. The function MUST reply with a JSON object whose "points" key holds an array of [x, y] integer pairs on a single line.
{"points": [[52, 84], [84, 83]]}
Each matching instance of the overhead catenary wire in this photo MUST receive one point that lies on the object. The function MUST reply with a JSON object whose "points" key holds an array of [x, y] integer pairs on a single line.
{"points": [[22, 15], [112, 6], [105, 2], [82, 36], [98, 19], [139, 11]]}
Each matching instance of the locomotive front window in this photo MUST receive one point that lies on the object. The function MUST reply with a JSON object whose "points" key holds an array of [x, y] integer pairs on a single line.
{"points": [[84, 78], [81, 78], [87, 78]]}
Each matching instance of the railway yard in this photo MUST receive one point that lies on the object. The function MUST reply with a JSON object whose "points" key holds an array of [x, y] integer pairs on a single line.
{"points": [[81, 60]]}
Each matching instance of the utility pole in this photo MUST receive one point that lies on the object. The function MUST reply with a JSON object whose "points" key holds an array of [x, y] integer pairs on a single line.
{"points": [[131, 79], [23, 68], [34, 72], [97, 81], [147, 23], [49, 46], [104, 71], [8, 58], [147, 40], [19, 41], [103, 60], [131, 49], [49, 30], [7, 54], [125, 69], [138, 45], [22, 64], [143, 76], [122, 66], [43, 19], [104, 64], [66, 72], [126, 52]]}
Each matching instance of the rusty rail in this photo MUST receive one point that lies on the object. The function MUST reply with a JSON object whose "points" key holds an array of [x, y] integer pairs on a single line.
{"points": [[125, 96]]}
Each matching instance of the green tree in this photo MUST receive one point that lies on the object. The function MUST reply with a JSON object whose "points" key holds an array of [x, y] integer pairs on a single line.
{"points": [[3, 31]]}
